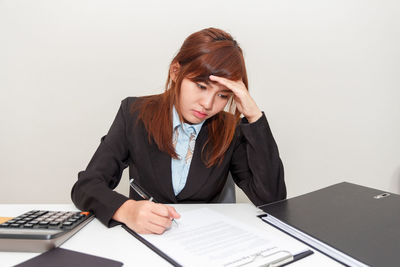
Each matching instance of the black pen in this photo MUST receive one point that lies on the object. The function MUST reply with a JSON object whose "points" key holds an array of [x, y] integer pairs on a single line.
{"points": [[141, 192]]}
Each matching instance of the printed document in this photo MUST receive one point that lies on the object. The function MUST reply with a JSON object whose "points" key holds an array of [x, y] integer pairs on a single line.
{"points": [[204, 237]]}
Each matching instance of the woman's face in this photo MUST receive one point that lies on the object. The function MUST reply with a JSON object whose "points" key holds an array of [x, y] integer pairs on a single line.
{"points": [[200, 101]]}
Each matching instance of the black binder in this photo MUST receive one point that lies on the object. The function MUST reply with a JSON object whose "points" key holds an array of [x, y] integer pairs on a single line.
{"points": [[354, 220]]}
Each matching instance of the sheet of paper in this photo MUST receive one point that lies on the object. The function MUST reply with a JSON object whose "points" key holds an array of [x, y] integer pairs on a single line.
{"points": [[203, 237]]}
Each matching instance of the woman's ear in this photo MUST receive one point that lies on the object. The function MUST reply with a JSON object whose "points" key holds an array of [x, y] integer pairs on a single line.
{"points": [[173, 70]]}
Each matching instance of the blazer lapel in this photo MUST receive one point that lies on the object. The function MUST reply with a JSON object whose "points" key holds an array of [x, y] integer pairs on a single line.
{"points": [[161, 163], [153, 169]]}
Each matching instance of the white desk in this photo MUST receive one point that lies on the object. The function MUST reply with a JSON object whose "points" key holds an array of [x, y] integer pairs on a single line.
{"points": [[115, 243]]}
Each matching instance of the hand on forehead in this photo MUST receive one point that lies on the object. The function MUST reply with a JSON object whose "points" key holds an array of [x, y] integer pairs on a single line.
{"points": [[229, 85], [220, 87]]}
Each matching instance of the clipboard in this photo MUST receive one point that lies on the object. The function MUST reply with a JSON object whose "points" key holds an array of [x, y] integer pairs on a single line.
{"points": [[276, 256], [151, 246]]}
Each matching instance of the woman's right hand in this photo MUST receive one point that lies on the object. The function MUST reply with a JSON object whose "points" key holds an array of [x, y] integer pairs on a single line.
{"points": [[146, 217]]}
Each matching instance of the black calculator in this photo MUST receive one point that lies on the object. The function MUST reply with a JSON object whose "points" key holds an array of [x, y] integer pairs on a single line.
{"points": [[41, 230]]}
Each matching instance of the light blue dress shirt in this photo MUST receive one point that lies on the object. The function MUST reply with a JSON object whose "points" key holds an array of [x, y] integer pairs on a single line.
{"points": [[179, 167]]}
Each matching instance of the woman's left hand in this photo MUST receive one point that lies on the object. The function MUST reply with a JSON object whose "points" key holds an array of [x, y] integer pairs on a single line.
{"points": [[244, 102]]}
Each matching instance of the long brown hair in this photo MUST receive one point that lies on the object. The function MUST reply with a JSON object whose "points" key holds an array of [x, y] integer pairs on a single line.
{"points": [[207, 52]]}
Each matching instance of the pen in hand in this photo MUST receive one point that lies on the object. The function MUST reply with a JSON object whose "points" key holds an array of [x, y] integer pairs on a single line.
{"points": [[141, 192]]}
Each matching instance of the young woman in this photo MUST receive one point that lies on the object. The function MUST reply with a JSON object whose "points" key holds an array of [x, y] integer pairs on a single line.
{"points": [[181, 144]]}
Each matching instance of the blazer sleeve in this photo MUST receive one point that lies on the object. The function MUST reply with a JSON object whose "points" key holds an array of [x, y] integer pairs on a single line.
{"points": [[94, 189], [256, 166]]}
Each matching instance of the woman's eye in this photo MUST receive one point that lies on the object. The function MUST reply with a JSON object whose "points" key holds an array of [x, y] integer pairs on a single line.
{"points": [[223, 96], [201, 86]]}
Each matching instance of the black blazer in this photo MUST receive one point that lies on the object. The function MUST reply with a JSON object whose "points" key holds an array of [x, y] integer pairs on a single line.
{"points": [[252, 158]]}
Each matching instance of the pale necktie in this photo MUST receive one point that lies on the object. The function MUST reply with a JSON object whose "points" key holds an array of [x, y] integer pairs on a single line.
{"points": [[192, 142]]}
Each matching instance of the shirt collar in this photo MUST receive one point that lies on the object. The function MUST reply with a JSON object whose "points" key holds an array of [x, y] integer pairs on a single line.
{"points": [[176, 122]]}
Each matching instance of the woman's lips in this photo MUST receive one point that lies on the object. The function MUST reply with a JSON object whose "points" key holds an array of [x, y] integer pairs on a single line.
{"points": [[199, 114]]}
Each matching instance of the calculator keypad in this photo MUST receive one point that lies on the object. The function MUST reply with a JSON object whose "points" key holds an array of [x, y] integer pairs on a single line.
{"points": [[46, 220]]}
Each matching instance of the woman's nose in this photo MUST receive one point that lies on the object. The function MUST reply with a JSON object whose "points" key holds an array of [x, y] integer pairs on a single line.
{"points": [[207, 101]]}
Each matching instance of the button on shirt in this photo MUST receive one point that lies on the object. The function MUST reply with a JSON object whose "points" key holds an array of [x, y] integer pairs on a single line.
{"points": [[183, 138]]}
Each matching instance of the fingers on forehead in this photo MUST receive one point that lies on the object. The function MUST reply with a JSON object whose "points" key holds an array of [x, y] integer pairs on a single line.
{"points": [[219, 86]]}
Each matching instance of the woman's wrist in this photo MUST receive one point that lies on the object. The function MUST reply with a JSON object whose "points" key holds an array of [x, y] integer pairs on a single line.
{"points": [[254, 117], [120, 213]]}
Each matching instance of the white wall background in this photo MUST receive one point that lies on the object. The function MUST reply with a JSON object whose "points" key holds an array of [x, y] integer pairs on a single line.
{"points": [[327, 74]]}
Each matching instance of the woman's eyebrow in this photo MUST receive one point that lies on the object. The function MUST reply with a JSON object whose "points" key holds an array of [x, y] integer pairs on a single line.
{"points": [[204, 82]]}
